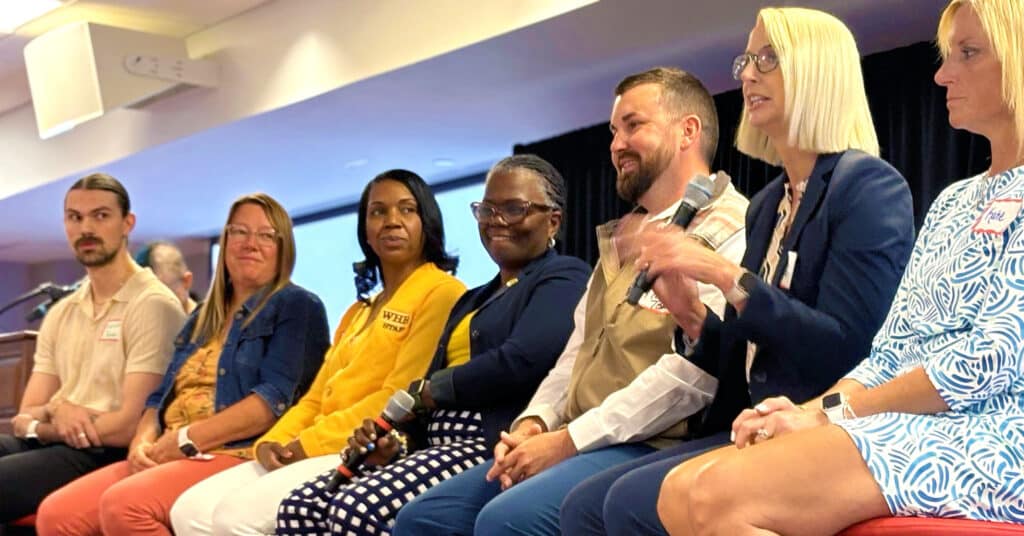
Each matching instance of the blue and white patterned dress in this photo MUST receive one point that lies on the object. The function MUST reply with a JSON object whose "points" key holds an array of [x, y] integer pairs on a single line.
{"points": [[959, 314]]}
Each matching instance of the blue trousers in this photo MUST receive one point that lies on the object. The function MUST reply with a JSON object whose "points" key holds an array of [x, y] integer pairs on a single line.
{"points": [[468, 504], [624, 499]]}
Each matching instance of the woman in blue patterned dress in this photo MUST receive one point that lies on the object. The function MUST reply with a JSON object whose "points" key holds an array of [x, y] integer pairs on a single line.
{"points": [[932, 422]]}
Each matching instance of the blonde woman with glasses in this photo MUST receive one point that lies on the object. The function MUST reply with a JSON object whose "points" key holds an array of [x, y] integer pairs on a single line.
{"points": [[827, 242], [931, 422], [242, 359]]}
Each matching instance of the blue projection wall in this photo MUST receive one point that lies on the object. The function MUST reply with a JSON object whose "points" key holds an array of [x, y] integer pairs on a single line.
{"points": [[328, 247]]}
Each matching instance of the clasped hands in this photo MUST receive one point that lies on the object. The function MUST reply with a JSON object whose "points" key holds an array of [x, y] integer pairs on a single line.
{"points": [[771, 418], [73, 423], [528, 450]]}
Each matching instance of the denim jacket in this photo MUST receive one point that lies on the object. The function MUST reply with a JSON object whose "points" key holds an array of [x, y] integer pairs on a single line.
{"points": [[275, 356]]}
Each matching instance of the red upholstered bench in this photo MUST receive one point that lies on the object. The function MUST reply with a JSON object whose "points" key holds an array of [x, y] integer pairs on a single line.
{"points": [[907, 526]]}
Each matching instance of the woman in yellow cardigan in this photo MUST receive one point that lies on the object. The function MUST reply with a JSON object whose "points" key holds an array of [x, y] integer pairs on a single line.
{"points": [[382, 344]]}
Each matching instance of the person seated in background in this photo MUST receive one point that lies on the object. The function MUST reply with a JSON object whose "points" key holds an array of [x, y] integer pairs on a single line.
{"points": [[618, 377], [931, 422], [100, 351], [241, 360], [168, 264], [827, 242], [500, 340], [383, 342]]}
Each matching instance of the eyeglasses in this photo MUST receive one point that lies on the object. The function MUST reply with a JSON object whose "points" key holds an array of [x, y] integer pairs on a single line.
{"points": [[511, 212], [766, 61], [240, 234]]}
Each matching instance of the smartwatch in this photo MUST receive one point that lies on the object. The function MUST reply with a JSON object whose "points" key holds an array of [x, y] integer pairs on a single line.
{"points": [[741, 287], [188, 448], [416, 390], [835, 406]]}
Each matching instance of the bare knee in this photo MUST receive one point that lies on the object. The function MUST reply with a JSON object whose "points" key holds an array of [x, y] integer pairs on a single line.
{"points": [[674, 499]]}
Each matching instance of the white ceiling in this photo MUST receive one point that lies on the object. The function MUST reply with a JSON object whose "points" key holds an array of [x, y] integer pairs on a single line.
{"points": [[183, 166]]}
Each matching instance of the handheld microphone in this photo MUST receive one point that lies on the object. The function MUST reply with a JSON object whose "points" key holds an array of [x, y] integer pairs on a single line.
{"points": [[698, 194], [399, 408]]}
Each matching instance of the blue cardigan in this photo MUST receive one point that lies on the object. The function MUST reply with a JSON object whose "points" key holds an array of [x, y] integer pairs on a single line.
{"points": [[515, 338], [275, 356], [852, 234]]}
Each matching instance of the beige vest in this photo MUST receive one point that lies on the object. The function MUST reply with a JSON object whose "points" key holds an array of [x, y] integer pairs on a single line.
{"points": [[620, 340]]}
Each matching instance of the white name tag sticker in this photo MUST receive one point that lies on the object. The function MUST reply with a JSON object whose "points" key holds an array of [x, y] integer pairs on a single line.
{"points": [[649, 300], [787, 276], [112, 331], [997, 216]]}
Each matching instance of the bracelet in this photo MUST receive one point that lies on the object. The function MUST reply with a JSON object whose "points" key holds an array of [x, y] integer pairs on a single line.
{"points": [[403, 443]]}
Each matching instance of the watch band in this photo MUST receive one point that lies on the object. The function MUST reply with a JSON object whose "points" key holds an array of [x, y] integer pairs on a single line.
{"points": [[836, 406], [416, 391], [739, 291], [30, 430], [188, 448]]}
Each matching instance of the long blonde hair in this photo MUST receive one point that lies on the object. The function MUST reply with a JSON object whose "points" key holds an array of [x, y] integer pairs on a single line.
{"points": [[826, 105], [1003, 22], [214, 311]]}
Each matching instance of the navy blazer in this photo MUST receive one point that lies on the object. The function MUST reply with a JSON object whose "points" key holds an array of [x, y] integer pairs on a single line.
{"points": [[852, 235], [516, 336]]}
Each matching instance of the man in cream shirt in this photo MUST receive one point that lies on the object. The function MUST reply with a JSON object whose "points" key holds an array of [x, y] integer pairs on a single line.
{"points": [[100, 352]]}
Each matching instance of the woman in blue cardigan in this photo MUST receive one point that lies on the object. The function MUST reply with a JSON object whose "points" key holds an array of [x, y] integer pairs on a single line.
{"points": [[499, 343]]}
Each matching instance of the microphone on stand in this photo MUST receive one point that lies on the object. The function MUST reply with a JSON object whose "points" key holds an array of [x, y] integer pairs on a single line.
{"points": [[698, 193], [53, 292], [399, 408]]}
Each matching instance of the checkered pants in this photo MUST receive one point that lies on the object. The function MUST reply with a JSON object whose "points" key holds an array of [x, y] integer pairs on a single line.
{"points": [[369, 504]]}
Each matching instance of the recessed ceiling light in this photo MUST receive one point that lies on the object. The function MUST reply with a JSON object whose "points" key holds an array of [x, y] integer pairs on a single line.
{"points": [[444, 162], [359, 162], [15, 13]]}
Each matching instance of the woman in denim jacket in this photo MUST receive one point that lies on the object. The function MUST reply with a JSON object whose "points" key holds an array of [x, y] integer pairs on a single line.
{"points": [[242, 359]]}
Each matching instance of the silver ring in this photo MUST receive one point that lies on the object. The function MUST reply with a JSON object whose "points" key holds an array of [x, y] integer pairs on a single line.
{"points": [[81, 434], [763, 434]]}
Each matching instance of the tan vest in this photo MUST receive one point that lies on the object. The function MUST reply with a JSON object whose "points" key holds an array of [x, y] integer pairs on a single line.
{"points": [[619, 340]]}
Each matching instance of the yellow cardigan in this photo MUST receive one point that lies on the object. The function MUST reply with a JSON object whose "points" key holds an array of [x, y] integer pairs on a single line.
{"points": [[361, 372]]}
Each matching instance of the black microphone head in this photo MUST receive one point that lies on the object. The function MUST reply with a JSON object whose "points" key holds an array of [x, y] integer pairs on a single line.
{"points": [[699, 191], [400, 406]]}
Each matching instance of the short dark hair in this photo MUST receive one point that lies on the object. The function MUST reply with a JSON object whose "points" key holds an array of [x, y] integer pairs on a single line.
{"points": [[551, 179], [685, 94], [368, 270], [102, 181]]}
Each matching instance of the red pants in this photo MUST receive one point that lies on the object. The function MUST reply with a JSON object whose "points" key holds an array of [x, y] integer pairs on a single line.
{"points": [[111, 500]]}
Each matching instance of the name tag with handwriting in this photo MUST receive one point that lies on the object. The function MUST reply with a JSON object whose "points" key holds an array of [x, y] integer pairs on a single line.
{"points": [[112, 331], [649, 300], [997, 216]]}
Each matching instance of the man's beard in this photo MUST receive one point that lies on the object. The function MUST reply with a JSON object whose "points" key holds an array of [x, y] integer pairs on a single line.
{"points": [[98, 257], [632, 185]]}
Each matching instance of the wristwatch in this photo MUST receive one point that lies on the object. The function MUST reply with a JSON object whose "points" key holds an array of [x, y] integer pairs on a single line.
{"points": [[741, 287], [30, 430], [416, 390], [188, 448], [836, 406]]}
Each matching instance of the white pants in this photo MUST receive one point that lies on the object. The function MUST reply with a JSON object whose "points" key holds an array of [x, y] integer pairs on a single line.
{"points": [[242, 500]]}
